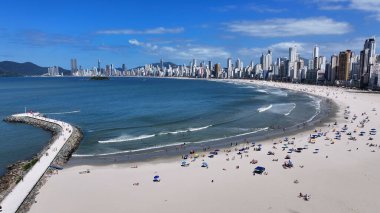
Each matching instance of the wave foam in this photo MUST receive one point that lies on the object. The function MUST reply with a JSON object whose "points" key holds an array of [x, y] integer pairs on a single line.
{"points": [[279, 93], [263, 109], [184, 131], [247, 133], [61, 113], [126, 138], [167, 145], [262, 91], [127, 151], [291, 110]]}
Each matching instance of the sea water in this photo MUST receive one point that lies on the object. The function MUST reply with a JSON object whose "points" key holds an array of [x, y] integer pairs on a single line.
{"points": [[129, 114]]}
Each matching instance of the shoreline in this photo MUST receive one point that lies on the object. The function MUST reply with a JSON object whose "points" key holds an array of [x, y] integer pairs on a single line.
{"points": [[327, 109], [325, 165]]}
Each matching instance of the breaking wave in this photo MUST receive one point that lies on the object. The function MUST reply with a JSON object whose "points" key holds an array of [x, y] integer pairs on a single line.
{"points": [[126, 138], [263, 109], [61, 113]]}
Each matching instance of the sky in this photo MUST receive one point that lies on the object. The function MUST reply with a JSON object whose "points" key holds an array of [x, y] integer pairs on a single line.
{"points": [[51, 32]]}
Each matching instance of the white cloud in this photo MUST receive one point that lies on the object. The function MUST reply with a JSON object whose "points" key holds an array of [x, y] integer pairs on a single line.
{"points": [[202, 52], [158, 30], [289, 27], [367, 5], [169, 49], [305, 48], [134, 42], [148, 46], [279, 49], [186, 52], [371, 6]]}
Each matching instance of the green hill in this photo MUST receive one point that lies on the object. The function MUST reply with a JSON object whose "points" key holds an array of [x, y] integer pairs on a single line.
{"points": [[10, 68]]}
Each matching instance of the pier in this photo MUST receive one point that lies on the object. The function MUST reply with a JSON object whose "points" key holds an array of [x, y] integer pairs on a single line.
{"points": [[55, 151]]}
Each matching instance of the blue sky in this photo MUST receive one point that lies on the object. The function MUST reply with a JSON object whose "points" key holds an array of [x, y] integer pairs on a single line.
{"points": [[139, 32]]}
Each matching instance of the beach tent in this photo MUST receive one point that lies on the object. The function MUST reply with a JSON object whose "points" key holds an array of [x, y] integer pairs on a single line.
{"points": [[204, 164], [184, 163], [156, 178], [259, 170]]}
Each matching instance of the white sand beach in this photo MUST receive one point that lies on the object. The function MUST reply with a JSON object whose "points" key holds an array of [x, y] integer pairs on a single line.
{"points": [[337, 175]]}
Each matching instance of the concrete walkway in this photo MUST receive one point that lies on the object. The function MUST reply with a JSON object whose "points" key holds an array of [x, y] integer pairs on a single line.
{"points": [[16, 197]]}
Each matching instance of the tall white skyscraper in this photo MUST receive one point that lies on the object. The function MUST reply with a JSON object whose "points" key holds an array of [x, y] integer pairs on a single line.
{"points": [[229, 67], [267, 61], [293, 54], [316, 52]]}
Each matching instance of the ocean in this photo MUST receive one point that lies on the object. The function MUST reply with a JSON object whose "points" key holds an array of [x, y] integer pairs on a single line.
{"points": [[131, 114]]}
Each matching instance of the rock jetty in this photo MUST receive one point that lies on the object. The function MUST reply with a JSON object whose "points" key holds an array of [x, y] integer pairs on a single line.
{"points": [[16, 172]]}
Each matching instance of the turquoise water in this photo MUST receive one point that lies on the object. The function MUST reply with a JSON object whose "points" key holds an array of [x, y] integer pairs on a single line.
{"points": [[128, 114]]}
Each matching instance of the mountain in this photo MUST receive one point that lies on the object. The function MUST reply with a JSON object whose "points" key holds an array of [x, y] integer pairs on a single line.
{"points": [[10, 68], [166, 64]]}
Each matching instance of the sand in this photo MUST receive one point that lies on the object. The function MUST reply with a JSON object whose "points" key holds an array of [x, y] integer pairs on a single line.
{"points": [[342, 177]]}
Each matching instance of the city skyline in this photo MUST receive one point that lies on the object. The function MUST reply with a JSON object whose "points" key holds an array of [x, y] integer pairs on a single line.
{"points": [[134, 33]]}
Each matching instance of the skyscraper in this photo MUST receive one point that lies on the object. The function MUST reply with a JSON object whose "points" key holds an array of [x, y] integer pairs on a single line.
{"points": [[229, 67], [99, 68], [293, 54], [238, 64], [344, 67], [217, 69], [267, 61], [334, 68], [316, 52], [162, 64], [74, 65], [367, 59]]}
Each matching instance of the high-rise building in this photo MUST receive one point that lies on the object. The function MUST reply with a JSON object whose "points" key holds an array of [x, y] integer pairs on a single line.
{"points": [[53, 71], [321, 63], [316, 52], [238, 64], [367, 60], [293, 54], [194, 62], [344, 67], [108, 70], [229, 68], [266, 61], [217, 69], [74, 65], [334, 68], [162, 64], [99, 68]]}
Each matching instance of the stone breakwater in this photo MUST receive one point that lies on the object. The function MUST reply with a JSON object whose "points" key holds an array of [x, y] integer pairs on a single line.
{"points": [[16, 172]]}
